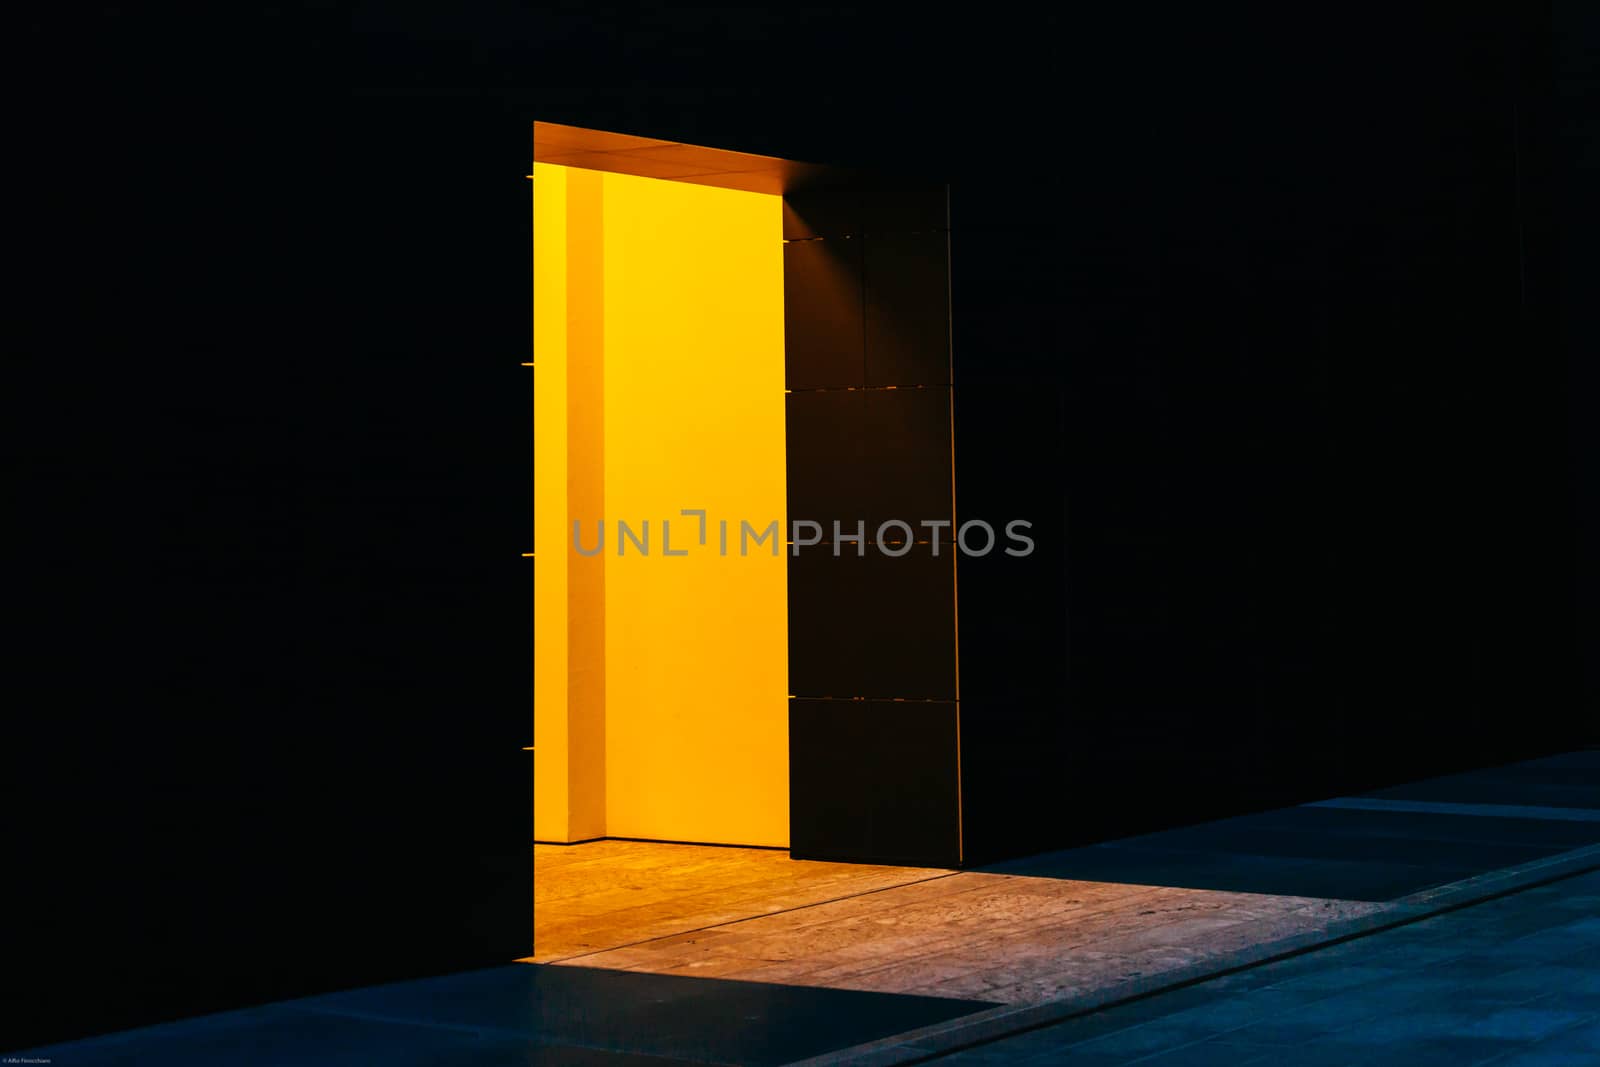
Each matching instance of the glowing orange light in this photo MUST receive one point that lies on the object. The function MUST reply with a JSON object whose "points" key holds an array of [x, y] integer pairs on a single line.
{"points": [[660, 683]]}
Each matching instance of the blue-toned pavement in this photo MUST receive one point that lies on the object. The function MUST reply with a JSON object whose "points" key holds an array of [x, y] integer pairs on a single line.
{"points": [[526, 1015], [1514, 981], [1509, 980]]}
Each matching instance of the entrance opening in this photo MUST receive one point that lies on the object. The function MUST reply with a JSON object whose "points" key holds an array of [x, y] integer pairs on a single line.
{"points": [[720, 338], [660, 659]]}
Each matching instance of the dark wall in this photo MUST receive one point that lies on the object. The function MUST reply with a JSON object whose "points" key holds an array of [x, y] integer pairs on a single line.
{"points": [[1310, 465], [1564, 139], [274, 673], [1237, 315]]}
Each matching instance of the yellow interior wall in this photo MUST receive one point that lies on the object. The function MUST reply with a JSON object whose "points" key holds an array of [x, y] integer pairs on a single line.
{"points": [[587, 671], [551, 807], [686, 332], [696, 646]]}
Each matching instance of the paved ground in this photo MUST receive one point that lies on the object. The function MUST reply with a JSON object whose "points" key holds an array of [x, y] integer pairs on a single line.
{"points": [[996, 938], [840, 959], [607, 894], [1060, 924], [1514, 981]]}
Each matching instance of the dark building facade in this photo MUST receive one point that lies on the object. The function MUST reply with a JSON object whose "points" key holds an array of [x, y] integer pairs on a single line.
{"points": [[1265, 328]]}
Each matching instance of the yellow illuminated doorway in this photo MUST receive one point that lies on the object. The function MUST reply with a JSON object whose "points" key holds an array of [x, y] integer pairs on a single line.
{"points": [[660, 660]]}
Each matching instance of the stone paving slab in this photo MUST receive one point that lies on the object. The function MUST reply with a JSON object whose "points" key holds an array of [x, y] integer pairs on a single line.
{"points": [[1005, 938], [1556, 933], [604, 894], [1511, 980]]}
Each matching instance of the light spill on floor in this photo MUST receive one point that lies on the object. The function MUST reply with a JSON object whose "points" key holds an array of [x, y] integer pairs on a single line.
{"points": [[756, 915]]}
